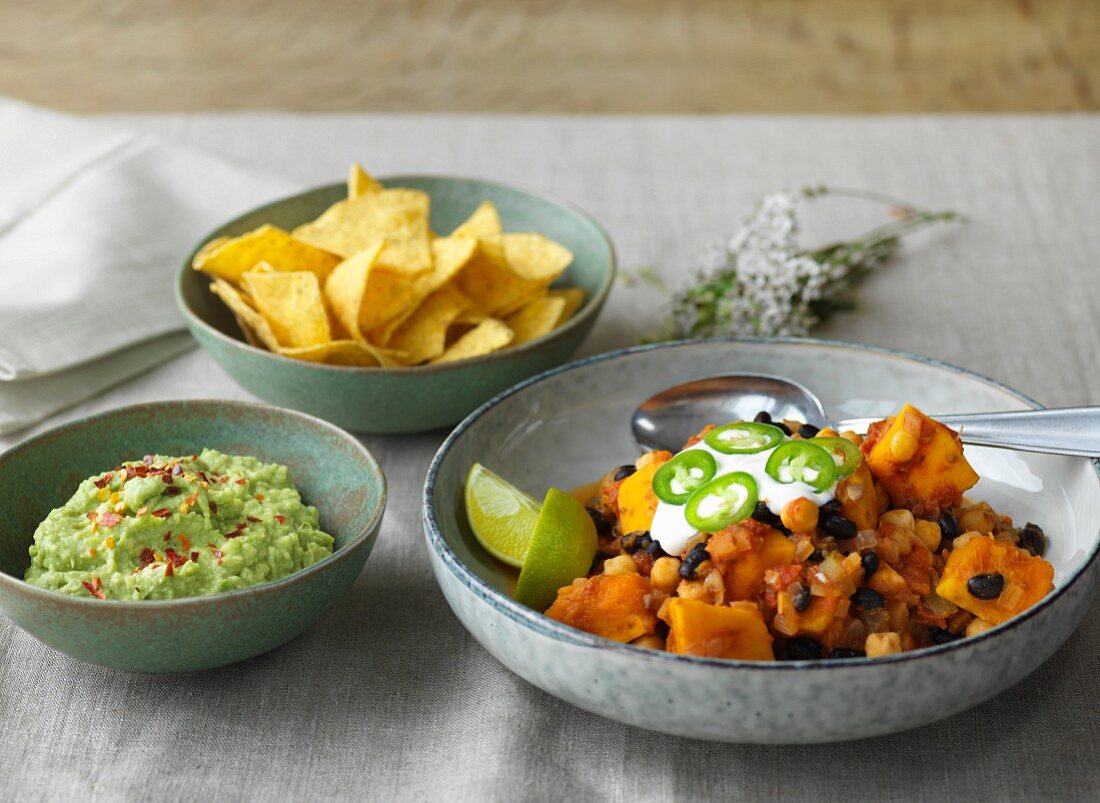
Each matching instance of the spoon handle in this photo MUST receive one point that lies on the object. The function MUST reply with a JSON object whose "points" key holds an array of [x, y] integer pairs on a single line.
{"points": [[1066, 430]]}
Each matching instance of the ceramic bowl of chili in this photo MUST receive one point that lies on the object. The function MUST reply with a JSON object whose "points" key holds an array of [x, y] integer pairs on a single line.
{"points": [[332, 470], [416, 398], [564, 429]]}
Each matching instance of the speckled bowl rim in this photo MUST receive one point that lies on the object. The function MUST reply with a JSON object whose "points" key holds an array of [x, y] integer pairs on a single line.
{"points": [[591, 306], [545, 626], [343, 553]]}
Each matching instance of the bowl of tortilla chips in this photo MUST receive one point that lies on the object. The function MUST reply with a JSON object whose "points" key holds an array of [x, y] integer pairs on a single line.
{"points": [[398, 305]]}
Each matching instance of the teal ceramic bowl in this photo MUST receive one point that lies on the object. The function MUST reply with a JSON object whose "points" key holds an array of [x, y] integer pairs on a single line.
{"points": [[416, 399], [333, 471]]}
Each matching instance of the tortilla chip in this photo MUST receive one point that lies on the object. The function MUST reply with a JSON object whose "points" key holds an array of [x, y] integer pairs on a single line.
{"points": [[535, 257], [234, 256], [536, 319], [347, 286], [360, 182], [256, 330], [424, 335], [482, 224], [489, 282], [345, 352], [449, 256], [574, 297], [398, 216], [488, 336], [291, 303]]}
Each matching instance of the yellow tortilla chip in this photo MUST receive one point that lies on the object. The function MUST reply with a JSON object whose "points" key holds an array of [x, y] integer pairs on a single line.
{"points": [[398, 216], [256, 330], [346, 352], [424, 335], [347, 286], [360, 182], [535, 257], [291, 303], [488, 336], [482, 224], [449, 256], [535, 319], [574, 297], [490, 284], [232, 257]]}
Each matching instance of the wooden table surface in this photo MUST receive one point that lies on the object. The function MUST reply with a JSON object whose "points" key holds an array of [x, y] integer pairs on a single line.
{"points": [[821, 56]]}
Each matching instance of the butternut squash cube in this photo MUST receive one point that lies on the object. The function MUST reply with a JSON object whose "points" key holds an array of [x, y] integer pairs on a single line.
{"points": [[1027, 579], [637, 501], [858, 501], [816, 619], [918, 461], [608, 605], [718, 631], [888, 582]]}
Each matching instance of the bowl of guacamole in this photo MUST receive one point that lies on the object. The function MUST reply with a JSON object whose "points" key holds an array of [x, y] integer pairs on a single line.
{"points": [[226, 527]]}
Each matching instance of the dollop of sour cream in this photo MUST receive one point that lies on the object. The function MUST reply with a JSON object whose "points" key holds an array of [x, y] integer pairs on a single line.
{"points": [[673, 532]]}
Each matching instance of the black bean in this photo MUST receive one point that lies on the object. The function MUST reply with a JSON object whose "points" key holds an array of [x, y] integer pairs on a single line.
{"points": [[816, 556], [632, 542], [598, 561], [830, 508], [765, 516], [804, 648], [603, 526], [839, 653], [839, 527], [807, 431], [867, 598], [940, 635], [948, 526], [693, 560], [802, 598], [870, 564], [654, 549], [986, 586], [624, 471], [783, 427], [763, 417], [1033, 539]]}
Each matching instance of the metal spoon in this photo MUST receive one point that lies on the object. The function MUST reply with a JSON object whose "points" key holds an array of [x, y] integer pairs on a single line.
{"points": [[667, 419]]}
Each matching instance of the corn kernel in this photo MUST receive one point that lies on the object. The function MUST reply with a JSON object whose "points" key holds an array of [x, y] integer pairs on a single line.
{"points": [[91, 552], [903, 446], [184, 508], [620, 564], [880, 644], [109, 542], [103, 494], [120, 506], [114, 498]]}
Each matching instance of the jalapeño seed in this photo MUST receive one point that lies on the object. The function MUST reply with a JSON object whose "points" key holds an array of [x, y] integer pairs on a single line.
{"points": [[986, 586]]}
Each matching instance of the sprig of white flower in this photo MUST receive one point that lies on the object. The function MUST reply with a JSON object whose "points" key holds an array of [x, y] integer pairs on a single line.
{"points": [[762, 283]]}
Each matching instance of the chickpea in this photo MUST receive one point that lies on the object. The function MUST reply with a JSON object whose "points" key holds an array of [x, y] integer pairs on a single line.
{"points": [[929, 533], [899, 518], [977, 626], [854, 437], [620, 564], [665, 573], [799, 515], [978, 519], [650, 642], [880, 644]]}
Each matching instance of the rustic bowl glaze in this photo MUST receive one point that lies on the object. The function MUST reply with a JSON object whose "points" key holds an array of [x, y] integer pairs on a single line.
{"points": [[333, 471], [420, 398], [568, 426]]}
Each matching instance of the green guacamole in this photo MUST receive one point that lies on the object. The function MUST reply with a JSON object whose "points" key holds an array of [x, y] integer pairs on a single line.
{"points": [[169, 527]]}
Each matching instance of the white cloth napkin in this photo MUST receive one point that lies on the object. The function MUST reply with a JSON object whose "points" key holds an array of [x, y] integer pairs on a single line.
{"points": [[95, 221]]}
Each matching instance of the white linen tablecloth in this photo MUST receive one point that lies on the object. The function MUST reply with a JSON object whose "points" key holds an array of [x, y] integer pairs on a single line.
{"points": [[389, 698]]}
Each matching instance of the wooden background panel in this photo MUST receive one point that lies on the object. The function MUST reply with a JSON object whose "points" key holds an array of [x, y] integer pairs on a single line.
{"points": [[553, 55]]}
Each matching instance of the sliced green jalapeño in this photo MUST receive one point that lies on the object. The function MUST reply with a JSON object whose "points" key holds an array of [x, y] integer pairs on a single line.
{"points": [[744, 437], [845, 454], [802, 461], [721, 502], [677, 479]]}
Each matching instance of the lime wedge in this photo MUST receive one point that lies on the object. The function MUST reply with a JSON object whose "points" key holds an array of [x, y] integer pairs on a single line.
{"points": [[502, 516], [561, 550]]}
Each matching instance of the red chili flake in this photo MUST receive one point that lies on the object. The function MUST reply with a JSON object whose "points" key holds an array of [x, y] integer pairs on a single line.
{"points": [[223, 480], [210, 545], [195, 456], [168, 572], [172, 490], [141, 511], [95, 588], [90, 514], [104, 481], [260, 497], [147, 460], [131, 472], [194, 557], [213, 507], [185, 542], [174, 558], [166, 479], [168, 536], [177, 469], [254, 519], [162, 513], [241, 481], [108, 519], [141, 471], [280, 518], [147, 556], [203, 477], [192, 498]]}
